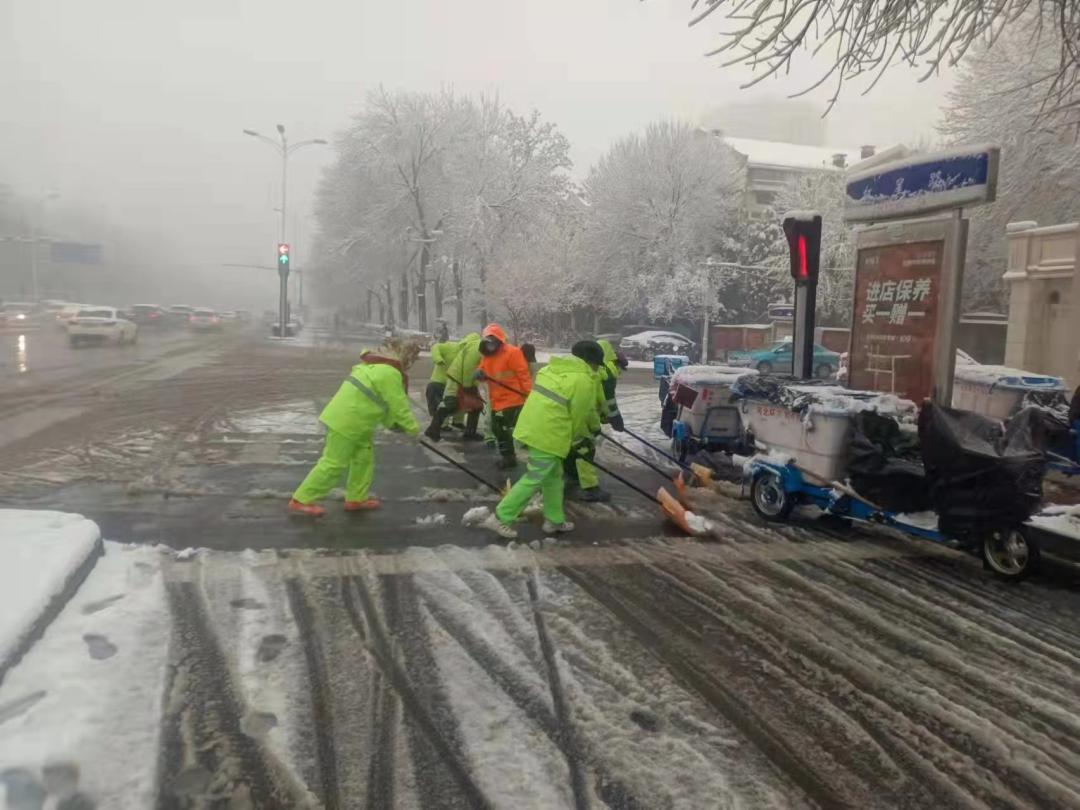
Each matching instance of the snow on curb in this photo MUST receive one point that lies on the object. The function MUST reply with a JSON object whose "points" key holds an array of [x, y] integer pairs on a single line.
{"points": [[44, 558], [80, 714]]}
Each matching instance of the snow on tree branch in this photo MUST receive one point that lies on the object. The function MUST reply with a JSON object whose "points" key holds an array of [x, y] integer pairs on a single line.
{"points": [[863, 38]]}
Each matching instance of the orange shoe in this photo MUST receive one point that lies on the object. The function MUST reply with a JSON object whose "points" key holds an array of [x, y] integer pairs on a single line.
{"points": [[309, 509], [362, 506]]}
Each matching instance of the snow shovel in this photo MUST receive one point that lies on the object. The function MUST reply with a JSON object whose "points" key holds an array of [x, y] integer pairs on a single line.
{"points": [[642, 459], [674, 510], [666, 455]]}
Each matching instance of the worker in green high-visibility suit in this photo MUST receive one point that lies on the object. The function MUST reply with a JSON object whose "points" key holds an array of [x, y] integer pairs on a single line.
{"points": [[460, 376], [581, 477], [373, 395], [558, 420]]}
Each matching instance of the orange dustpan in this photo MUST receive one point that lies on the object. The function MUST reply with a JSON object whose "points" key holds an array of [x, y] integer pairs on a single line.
{"points": [[674, 510]]}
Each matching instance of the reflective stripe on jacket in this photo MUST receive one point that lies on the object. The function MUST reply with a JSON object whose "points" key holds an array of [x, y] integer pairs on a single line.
{"points": [[561, 408], [372, 395]]}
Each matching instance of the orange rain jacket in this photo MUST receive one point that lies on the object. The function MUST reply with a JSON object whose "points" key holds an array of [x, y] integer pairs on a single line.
{"points": [[507, 365]]}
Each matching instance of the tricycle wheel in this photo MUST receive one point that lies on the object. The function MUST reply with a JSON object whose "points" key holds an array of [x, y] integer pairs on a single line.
{"points": [[1010, 554], [769, 498], [679, 449]]}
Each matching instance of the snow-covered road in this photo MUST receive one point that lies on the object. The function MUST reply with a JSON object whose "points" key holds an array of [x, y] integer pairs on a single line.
{"points": [[397, 663]]}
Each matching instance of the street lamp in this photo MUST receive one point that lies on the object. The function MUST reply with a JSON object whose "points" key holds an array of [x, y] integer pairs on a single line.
{"points": [[284, 149]]}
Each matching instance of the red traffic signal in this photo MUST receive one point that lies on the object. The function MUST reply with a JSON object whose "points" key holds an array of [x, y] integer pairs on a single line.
{"points": [[803, 232]]}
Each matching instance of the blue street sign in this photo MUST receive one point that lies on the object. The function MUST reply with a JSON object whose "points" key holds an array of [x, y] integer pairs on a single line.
{"points": [[957, 178], [74, 253]]}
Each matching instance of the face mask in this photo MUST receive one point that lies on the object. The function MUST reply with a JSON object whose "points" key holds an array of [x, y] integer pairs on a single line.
{"points": [[488, 346]]}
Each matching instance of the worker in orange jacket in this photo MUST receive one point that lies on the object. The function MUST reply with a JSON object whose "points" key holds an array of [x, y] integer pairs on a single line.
{"points": [[509, 382]]}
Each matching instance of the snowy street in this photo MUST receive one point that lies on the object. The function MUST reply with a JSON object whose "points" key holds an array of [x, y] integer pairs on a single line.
{"points": [[220, 654]]}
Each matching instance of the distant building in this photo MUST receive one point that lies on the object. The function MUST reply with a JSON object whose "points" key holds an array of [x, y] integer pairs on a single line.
{"points": [[782, 120], [771, 165]]}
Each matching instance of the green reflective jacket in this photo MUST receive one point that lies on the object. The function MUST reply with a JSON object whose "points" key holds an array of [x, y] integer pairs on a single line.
{"points": [[461, 369], [561, 408], [609, 378], [442, 355], [372, 395]]}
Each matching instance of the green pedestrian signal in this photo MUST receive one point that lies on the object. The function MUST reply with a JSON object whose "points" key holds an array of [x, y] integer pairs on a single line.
{"points": [[283, 258]]}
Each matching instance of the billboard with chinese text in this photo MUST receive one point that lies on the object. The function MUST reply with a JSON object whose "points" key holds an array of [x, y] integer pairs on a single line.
{"points": [[895, 323]]}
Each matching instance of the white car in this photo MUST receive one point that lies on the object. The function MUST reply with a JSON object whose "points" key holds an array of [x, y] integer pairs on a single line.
{"points": [[204, 320], [69, 311], [646, 345], [100, 325]]}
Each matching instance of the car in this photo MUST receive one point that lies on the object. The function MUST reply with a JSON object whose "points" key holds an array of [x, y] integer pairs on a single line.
{"points": [[204, 320], [646, 345], [18, 313], [147, 315], [178, 314], [778, 358], [67, 312], [101, 325]]}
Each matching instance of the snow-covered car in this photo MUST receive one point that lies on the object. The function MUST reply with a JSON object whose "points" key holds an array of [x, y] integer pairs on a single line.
{"points": [[101, 325], [646, 345], [204, 320]]}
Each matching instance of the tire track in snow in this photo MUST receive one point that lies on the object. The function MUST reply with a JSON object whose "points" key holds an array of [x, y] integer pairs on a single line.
{"points": [[435, 756], [945, 731], [202, 744], [544, 713], [698, 672], [568, 742], [324, 718]]}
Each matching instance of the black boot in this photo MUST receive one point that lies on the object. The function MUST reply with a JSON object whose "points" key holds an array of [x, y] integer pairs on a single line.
{"points": [[434, 432], [508, 462]]}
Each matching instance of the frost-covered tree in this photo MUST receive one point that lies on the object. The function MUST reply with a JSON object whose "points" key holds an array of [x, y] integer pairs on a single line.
{"points": [[661, 204], [860, 39], [999, 98]]}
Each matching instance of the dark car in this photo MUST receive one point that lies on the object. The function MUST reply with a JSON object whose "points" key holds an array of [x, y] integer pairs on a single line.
{"points": [[146, 315], [178, 315]]}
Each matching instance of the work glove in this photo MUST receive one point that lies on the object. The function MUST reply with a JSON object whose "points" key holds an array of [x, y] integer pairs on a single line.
{"points": [[448, 405], [617, 424], [582, 447], [479, 375]]}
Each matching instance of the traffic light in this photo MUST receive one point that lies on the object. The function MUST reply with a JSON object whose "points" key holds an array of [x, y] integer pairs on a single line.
{"points": [[803, 232], [283, 257]]}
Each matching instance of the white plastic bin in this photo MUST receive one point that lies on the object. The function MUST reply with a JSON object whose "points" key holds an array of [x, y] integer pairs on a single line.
{"points": [[713, 402], [816, 441], [995, 391]]}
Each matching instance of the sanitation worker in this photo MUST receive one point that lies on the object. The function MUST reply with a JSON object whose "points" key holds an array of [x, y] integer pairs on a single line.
{"points": [[506, 371], [460, 377], [373, 395], [581, 479], [559, 419], [442, 355]]}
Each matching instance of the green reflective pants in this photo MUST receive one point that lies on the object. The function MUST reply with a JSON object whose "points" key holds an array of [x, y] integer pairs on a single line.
{"points": [[544, 473], [578, 469], [340, 454]]}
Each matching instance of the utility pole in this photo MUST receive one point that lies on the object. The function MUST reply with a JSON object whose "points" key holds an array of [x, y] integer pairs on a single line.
{"points": [[284, 150]]}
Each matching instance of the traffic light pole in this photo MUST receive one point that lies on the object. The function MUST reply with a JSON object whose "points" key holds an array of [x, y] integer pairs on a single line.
{"points": [[283, 293], [803, 336]]}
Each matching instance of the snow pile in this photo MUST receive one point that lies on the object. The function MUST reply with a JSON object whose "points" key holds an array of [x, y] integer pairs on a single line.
{"points": [[922, 520], [80, 714], [437, 519], [802, 216], [708, 375], [698, 524], [1059, 520], [43, 558], [475, 516], [1005, 377]]}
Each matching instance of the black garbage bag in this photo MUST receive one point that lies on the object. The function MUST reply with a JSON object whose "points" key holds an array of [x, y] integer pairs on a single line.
{"points": [[885, 465], [981, 476]]}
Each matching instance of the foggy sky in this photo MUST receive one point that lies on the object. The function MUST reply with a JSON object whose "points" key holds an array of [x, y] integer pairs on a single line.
{"points": [[135, 107]]}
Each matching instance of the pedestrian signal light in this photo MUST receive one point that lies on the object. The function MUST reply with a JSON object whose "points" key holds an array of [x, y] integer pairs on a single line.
{"points": [[803, 232], [283, 256]]}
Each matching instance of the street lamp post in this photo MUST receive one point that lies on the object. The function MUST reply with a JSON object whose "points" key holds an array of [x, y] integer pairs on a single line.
{"points": [[284, 150]]}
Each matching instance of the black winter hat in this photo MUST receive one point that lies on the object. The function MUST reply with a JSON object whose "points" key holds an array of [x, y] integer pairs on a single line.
{"points": [[589, 351]]}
